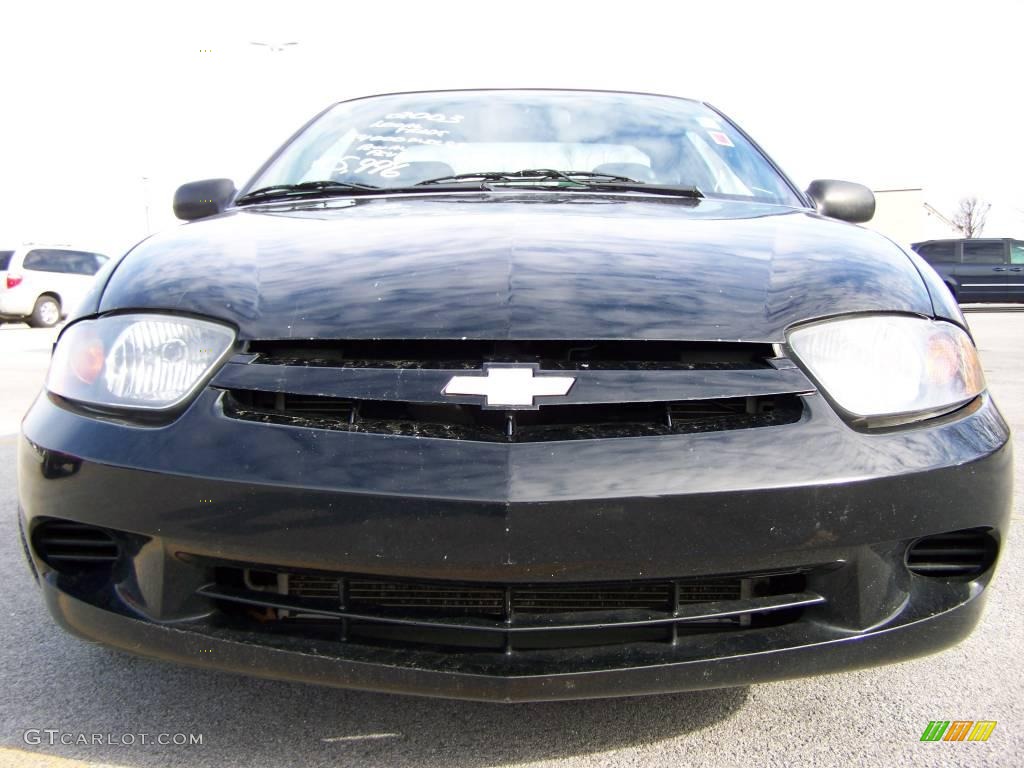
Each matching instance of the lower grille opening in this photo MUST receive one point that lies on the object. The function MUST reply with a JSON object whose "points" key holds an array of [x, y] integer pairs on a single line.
{"points": [[69, 547], [957, 554], [549, 422], [465, 616]]}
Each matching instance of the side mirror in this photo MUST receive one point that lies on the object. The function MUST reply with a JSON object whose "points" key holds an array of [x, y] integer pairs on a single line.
{"points": [[842, 200], [199, 199]]}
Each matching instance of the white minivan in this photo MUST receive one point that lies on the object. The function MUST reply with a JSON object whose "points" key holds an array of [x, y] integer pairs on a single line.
{"points": [[40, 284]]}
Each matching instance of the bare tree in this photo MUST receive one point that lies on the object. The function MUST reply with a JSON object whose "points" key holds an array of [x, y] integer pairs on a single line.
{"points": [[970, 216]]}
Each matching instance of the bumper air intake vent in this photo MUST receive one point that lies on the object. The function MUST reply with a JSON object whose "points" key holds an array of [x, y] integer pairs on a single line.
{"points": [[953, 555], [70, 547]]}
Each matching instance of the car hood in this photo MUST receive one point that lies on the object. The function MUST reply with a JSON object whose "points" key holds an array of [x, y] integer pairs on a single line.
{"points": [[517, 266]]}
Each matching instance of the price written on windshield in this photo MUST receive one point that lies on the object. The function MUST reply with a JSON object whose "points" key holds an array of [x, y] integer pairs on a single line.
{"points": [[376, 154]]}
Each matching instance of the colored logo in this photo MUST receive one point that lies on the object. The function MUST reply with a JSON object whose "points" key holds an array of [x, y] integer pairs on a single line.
{"points": [[958, 730]]}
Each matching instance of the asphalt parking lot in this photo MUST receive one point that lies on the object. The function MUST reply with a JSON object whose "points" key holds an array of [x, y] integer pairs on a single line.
{"points": [[50, 680]]}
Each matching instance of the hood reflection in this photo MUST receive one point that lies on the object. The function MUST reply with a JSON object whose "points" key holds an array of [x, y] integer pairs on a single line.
{"points": [[543, 266]]}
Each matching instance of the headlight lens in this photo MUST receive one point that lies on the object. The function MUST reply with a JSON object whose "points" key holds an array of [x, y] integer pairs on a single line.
{"points": [[890, 365], [151, 362]]}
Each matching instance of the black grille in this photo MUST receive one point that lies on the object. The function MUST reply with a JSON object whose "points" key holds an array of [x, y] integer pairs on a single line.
{"points": [[313, 586], [623, 388], [582, 597], [454, 354], [549, 422], [449, 600], [311, 405], [490, 601], [953, 555], [68, 546], [465, 615]]}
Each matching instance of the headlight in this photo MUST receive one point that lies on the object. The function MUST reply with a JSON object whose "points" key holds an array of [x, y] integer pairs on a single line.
{"points": [[890, 365], [151, 362]]}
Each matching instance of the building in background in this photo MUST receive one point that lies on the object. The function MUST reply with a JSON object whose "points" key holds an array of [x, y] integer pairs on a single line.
{"points": [[905, 216]]}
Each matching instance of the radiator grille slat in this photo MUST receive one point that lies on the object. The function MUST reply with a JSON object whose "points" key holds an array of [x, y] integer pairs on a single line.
{"points": [[455, 354], [621, 388], [547, 423]]}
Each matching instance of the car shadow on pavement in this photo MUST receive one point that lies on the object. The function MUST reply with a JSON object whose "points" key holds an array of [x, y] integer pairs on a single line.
{"points": [[250, 722]]}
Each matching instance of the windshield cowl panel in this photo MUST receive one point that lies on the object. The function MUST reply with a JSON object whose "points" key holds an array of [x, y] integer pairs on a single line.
{"points": [[401, 140]]}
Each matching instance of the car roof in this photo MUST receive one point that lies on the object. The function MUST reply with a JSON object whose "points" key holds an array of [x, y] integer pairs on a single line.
{"points": [[957, 240], [62, 247]]}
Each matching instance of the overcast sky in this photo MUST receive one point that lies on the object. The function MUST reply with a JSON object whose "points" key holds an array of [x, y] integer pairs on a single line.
{"points": [[98, 96]]}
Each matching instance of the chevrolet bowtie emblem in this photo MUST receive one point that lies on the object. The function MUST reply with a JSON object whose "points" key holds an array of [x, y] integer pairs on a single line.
{"points": [[509, 387]]}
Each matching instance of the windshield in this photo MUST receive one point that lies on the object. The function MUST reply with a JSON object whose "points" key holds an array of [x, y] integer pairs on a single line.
{"points": [[404, 139]]}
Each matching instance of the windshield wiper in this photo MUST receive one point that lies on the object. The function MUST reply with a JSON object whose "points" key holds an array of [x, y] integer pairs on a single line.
{"points": [[535, 177], [673, 190], [530, 174], [282, 191], [602, 182]]}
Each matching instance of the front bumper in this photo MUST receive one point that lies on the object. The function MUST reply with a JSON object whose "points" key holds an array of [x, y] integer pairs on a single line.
{"points": [[817, 496], [799, 655]]}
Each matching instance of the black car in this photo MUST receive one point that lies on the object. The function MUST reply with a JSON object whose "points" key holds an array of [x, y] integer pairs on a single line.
{"points": [[517, 395], [979, 269]]}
